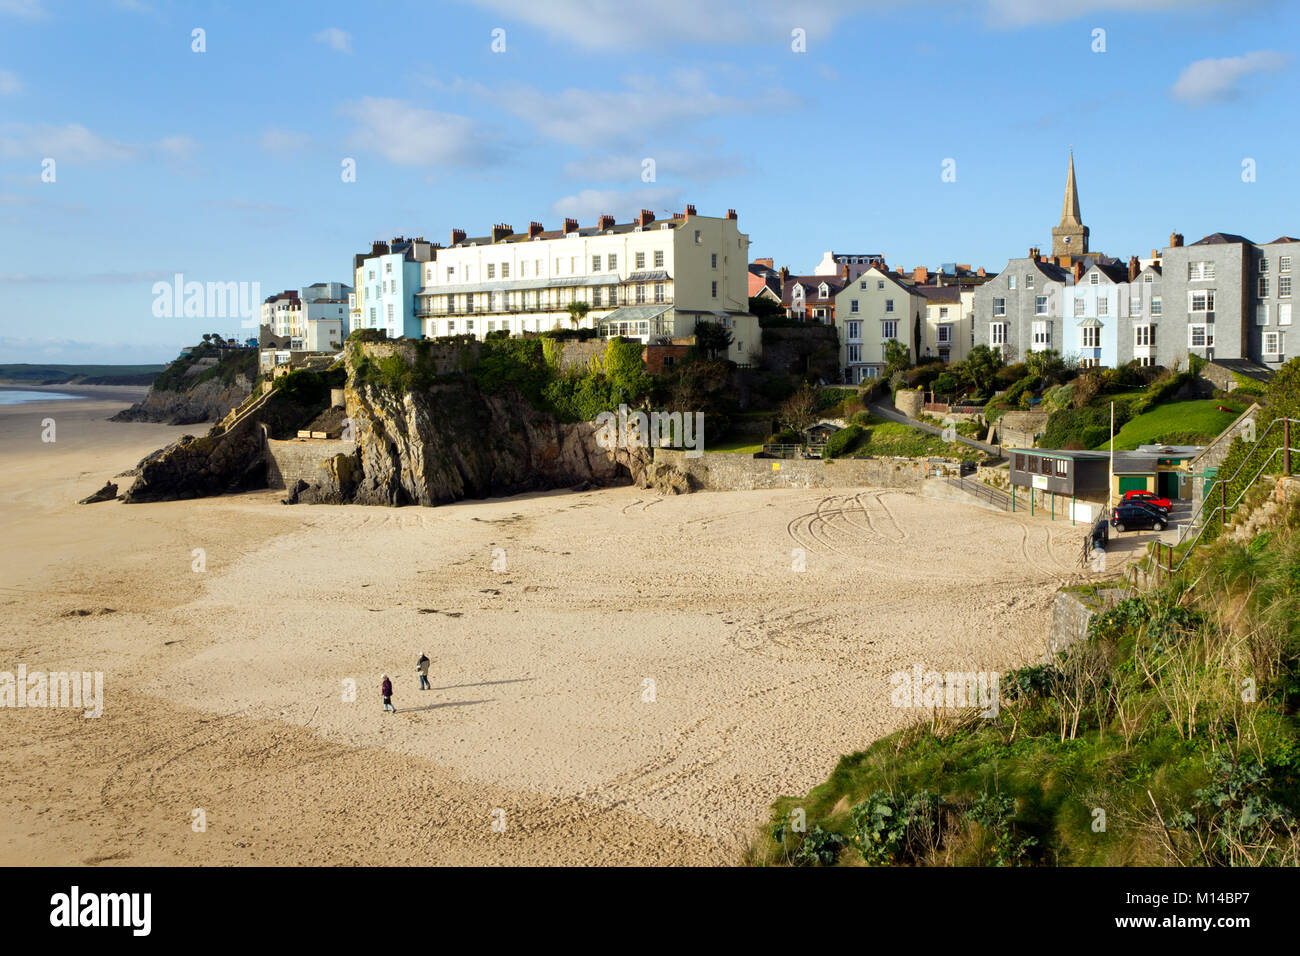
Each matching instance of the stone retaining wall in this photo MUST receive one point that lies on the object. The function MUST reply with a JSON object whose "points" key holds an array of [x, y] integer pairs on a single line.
{"points": [[289, 461], [722, 471]]}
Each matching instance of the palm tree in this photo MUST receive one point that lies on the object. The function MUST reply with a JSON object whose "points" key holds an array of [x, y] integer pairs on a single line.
{"points": [[577, 312]]}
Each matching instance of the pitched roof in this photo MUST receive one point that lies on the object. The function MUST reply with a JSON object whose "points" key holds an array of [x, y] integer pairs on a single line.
{"points": [[1282, 239], [1221, 238], [939, 293]]}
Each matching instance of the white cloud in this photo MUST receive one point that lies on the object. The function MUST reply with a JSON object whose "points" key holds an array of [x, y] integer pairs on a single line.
{"points": [[178, 147], [621, 204], [338, 40], [604, 117], [24, 9], [9, 83], [1216, 80], [284, 142], [1013, 14], [605, 24], [697, 166], [71, 141], [413, 136]]}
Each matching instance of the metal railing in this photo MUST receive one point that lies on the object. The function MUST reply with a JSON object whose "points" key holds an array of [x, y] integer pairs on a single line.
{"points": [[994, 496], [1224, 508]]}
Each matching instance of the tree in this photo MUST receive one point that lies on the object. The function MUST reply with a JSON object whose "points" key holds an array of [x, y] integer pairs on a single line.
{"points": [[981, 368], [799, 411], [765, 308], [916, 337], [1283, 392], [1046, 364], [896, 357], [712, 337], [577, 312]]}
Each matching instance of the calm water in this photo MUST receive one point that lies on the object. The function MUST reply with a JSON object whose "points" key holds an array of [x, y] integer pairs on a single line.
{"points": [[20, 396]]}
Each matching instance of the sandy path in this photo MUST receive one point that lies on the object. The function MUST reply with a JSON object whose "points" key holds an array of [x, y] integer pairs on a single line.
{"points": [[225, 688]]}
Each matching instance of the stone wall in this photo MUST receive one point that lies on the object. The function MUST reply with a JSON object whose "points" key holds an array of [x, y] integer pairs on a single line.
{"points": [[446, 358], [909, 401], [1072, 611], [722, 471], [288, 462], [579, 355]]}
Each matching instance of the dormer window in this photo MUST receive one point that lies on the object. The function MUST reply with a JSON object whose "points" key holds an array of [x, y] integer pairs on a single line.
{"points": [[823, 290]]}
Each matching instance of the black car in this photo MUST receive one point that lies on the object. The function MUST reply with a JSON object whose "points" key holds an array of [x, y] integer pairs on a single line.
{"points": [[1134, 517]]}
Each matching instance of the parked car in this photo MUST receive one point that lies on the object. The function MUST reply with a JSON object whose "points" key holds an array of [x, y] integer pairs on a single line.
{"points": [[1134, 516], [1149, 499]]}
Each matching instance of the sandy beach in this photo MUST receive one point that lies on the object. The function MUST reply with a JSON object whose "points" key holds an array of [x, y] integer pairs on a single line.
{"points": [[635, 683]]}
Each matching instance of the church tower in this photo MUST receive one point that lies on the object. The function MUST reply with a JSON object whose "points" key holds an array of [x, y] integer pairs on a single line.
{"points": [[1070, 238]]}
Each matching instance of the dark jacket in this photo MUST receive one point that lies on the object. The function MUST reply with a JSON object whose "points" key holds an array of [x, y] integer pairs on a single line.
{"points": [[387, 689]]}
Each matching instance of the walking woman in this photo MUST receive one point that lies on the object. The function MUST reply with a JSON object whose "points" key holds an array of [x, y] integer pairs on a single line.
{"points": [[386, 691]]}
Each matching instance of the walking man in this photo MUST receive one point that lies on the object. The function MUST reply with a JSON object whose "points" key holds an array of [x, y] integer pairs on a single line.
{"points": [[422, 666], [386, 691]]}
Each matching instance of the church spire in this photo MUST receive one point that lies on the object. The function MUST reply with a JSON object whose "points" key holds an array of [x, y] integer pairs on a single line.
{"points": [[1070, 208], [1070, 238]]}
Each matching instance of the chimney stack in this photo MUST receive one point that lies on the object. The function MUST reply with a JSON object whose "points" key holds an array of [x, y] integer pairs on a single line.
{"points": [[1133, 268], [1078, 270], [920, 275], [645, 218], [981, 273], [535, 229], [457, 235], [570, 225], [500, 231], [1175, 239], [690, 210], [731, 214], [765, 262], [785, 274], [1033, 253], [1155, 253], [606, 222]]}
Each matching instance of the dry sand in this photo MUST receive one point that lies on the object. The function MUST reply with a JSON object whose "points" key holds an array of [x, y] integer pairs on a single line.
{"points": [[224, 688]]}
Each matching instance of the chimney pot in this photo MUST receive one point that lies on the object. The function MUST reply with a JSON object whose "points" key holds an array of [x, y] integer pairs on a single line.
{"points": [[570, 225], [606, 222], [731, 214], [645, 218], [690, 210], [457, 235], [1175, 239]]}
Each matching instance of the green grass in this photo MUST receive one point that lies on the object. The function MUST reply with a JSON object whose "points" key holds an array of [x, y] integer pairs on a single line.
{"points": [[1199, 418], [740, 446], [885, 439]]}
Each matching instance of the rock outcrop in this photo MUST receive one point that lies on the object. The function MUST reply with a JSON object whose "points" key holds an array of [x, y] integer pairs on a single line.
{"points": [[107, 493], [207, 401], [453, 441]]}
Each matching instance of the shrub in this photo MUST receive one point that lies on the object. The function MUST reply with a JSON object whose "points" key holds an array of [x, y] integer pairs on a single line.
{"points": [[844, 441]]}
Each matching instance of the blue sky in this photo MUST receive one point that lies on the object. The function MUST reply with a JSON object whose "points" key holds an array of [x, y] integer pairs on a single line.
{"points": [[225, 165]]}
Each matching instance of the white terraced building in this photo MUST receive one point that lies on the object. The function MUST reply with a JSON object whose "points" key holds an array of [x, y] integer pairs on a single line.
{"points": [[647, 280]]}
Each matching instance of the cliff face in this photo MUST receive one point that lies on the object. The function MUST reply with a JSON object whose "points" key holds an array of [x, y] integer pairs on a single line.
{"points": [[453, 441], [206, 402]]}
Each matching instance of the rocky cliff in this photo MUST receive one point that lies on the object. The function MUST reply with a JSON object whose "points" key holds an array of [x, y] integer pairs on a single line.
{"points": [[201, 386], [206, 402], [441, 441], [451, 441]]}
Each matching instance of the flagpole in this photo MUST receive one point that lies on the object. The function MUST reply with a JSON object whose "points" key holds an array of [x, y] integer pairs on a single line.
{"points": [[1110, 486]]}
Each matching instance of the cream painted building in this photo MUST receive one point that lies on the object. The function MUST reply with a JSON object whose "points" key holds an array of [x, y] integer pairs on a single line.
{"points": [[647, 280], [869, 311], [949, 321]]}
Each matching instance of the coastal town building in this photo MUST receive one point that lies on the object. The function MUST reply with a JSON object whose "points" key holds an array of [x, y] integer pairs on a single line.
{"points": [[811, 298], [848, 265], [874, 308], [387, 281], [1222, 297], [647, 280]]}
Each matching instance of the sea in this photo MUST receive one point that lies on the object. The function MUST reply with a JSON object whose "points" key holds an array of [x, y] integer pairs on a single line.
{"points": [[21, 396]]}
